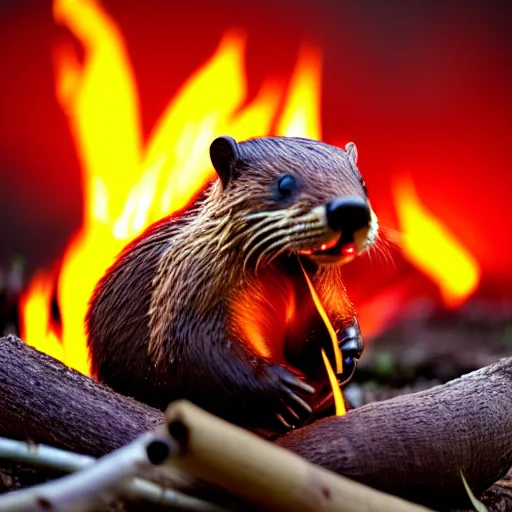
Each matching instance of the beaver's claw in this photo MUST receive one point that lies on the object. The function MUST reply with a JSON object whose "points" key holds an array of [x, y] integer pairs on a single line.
{"points": [[351, 345], [292, 409]]}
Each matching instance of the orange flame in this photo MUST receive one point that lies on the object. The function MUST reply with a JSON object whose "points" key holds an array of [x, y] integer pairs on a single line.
{"points": [[128, 186], [431, 247]]}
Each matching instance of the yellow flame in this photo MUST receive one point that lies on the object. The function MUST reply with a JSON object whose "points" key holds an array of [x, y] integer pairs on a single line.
{"points": [[327, 322], [35, 303], [339, 402], [433, 248], [127, 186], [300, 114]]}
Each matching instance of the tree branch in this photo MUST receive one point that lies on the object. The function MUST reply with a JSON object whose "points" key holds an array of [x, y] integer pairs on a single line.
{"points": [[262, 473], [412, 446], [70, 462], [416, 445], [44, 401]]}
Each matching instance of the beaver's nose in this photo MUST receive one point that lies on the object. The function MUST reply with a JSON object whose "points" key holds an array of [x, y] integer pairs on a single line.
{"points": [[348, 214]]}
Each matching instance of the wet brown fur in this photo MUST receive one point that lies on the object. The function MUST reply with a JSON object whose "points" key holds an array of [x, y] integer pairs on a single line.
{"points": [[198, 307]]}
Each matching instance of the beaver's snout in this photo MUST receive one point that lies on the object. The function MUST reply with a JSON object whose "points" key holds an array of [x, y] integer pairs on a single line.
{"points": [[350, 227], [348, 214]]}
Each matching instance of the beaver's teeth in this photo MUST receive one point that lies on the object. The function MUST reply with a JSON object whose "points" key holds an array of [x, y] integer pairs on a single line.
{"points": [[324, 247], [329, 245]]}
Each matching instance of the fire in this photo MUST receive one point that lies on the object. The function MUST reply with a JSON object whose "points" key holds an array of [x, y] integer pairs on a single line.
{"points": [[339, 403], [36, 306], [432, 248], [301, 113], [128, 185]]}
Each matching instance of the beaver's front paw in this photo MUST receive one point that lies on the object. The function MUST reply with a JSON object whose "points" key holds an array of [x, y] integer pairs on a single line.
{"points": [[351, 345], [292, 409]]}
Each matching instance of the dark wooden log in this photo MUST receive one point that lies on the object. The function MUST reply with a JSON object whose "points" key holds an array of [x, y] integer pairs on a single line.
{"points": [[416, 445], [412, 446], [44, 401]]}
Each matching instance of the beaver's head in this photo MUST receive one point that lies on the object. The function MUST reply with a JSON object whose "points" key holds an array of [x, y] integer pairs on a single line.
{"points": [[293, 195]]}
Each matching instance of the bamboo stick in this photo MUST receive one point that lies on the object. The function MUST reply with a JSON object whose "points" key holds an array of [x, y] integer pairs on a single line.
{"points": [[263, 474]]}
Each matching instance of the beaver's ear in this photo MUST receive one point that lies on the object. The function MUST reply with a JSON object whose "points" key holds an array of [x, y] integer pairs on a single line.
{"points": [[351, 150], [224, 154]]}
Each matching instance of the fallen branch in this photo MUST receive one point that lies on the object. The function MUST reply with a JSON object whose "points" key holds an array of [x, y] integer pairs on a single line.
{"points": [[90, 489], [264, 474], [69, 462], [44, 401], [104, 481], [411, 446], [415, 446], [229, 457]]}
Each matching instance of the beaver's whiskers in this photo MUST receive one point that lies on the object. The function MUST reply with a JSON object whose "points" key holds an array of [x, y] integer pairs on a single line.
{"points": [[283, 236]]}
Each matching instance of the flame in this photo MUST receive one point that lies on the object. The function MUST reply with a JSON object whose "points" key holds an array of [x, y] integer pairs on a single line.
{"points": [[300, 114], [430, 245], [128, 185], [327, 322], [339, 403], [40, 332]]}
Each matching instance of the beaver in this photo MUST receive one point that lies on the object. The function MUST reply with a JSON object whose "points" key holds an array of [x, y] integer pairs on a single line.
{"points": [[211, 304]]}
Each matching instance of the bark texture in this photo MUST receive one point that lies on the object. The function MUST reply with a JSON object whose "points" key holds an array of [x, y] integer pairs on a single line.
{"points": [[44, 401], [413, 446], [416, 445]]}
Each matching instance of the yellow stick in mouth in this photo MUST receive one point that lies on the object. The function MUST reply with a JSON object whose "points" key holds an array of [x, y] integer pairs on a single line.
{"points": [[327, 322], [339, 403]]}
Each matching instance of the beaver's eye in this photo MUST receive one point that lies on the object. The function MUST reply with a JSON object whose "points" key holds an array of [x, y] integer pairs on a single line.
{"points": [[286, 185]]}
